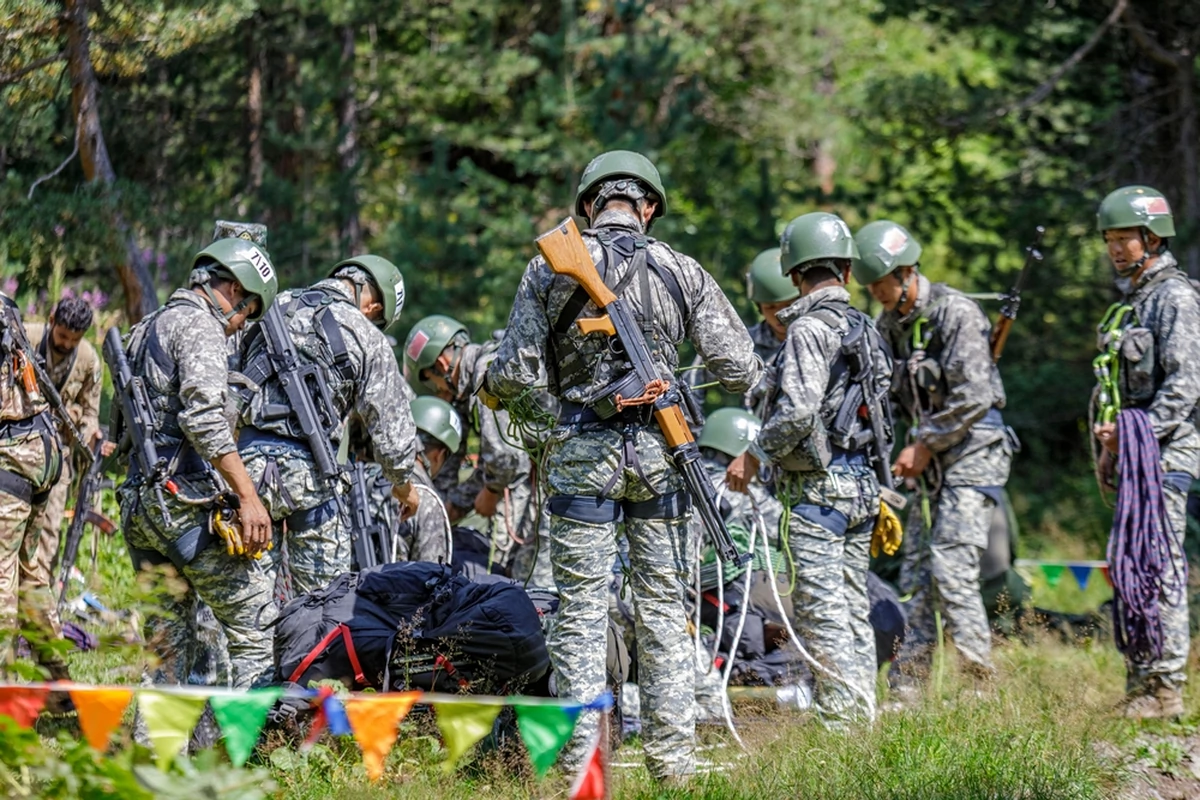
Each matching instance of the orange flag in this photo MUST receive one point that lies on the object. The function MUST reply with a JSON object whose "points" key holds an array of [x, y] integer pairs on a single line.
{"points": [[374, 722], [100, 711]]}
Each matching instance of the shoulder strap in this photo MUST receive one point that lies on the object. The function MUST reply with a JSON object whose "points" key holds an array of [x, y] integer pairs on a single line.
{"points": [[337, 344]]}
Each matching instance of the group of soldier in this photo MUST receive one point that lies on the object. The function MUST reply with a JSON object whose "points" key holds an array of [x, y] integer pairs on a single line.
{"points": [[255, 400]]}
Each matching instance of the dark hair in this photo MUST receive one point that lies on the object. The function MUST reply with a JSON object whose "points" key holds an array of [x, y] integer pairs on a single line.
{"points": [[73, 314]]}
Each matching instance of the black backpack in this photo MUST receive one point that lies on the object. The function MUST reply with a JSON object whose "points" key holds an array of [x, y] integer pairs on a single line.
{"points": [[411, 625]]}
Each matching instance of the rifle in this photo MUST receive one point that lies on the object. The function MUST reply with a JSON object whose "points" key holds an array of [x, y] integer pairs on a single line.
{"points": [[857, 350], [370, 537], [135, 419], [89, 482], [1012, 298], [308, 395], [567, 254], [35, 379]]}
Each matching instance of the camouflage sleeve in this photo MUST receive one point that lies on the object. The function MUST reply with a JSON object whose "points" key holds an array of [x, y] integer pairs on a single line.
{"points": [[500, 460], [197, 344], [966, 362], [522, 354], [718, 333], [803, 376], [1177, 334], [89, 399], [697, 374], [383, 407], [431, 532]]}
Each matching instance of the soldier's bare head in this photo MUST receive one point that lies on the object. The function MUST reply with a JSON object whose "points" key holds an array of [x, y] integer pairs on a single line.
{"points": [[68, 322]]}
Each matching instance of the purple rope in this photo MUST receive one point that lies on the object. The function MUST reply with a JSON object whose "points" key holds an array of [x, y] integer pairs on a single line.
{"points": [[1142, 571]]}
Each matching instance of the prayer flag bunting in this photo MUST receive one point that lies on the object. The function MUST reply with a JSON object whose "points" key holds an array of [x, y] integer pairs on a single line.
{"points": [[1082, 574], [1107, 577], [241, 717], [169, 721], [462, 725], [1053, 573], [100, 712], [22, 703], [589, 783], [374, 722], [545, 729]]}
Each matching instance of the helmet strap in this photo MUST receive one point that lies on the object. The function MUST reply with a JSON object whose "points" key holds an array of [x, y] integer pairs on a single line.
{"points": [[1133, 268], [904, 287]]}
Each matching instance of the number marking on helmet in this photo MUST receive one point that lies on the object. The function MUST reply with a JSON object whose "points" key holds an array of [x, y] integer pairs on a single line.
{"points": [[261, 264]]}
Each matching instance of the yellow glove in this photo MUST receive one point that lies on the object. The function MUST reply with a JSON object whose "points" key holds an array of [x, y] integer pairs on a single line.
{"points": [[888, 534], [230, 531], [487, 398]]}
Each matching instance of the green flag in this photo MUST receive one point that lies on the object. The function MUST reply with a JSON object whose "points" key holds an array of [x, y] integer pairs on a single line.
{"points": [[462, 725], [545, 729], [242, 717], [1053, 573], [169, 721]]}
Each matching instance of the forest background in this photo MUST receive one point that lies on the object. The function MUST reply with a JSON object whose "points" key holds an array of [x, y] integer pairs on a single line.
{"points": [[446, 134]]}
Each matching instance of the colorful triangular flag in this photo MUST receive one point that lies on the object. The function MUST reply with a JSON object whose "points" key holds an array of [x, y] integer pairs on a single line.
{"points": [[1053, 573], [462, 725], [22, 703], [100, 712], [1107, 577], [169, 721], [545, 729], [589, 783], [374, 722], [241, 717], [1082, 574]]}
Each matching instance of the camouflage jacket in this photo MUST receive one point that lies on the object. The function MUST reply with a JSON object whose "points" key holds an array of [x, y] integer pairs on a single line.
{"points": [[957, 385], [369, 393], [15, 403], [1168, 306], [766, 347], [707, 319], [425, 536], [185, 369], [77, 378]]}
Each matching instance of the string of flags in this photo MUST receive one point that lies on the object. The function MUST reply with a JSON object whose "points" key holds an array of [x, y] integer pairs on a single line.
{"points": [[1054, 570], [171, 712]]}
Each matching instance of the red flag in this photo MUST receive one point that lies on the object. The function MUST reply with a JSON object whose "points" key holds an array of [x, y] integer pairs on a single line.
{"points": [[589, 783], [22, 703]]}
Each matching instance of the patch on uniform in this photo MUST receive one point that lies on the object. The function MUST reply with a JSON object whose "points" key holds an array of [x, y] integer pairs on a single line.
{"points": [[420, 339], [894, 241], [1154, 206]]}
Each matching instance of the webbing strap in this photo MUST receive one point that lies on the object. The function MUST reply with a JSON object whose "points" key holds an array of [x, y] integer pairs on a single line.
{"points": [[13, 484], [342, 630]]}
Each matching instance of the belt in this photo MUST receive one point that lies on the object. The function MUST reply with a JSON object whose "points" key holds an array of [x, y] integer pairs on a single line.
{"points": [[992, 419], [574, 414], [251, 436], [848, 458]]}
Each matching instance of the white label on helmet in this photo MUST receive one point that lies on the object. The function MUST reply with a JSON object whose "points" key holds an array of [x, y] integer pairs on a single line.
{"points": [[748, 429], [456, 422], [399, 295], [1154, 206], [894, 241], [835, 228], [420, 339], [261, 264]]}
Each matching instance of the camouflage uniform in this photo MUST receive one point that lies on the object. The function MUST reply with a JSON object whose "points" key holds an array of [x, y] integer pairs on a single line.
{"points": [[78, 380], [366, 388], [426, 536], [180, 352], [766, 347], [598, 471], [958, 399], [1168, 389], [833, 511]]}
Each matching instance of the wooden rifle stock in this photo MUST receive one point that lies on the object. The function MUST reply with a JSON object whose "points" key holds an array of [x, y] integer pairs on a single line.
{"points": [[567, 254]]}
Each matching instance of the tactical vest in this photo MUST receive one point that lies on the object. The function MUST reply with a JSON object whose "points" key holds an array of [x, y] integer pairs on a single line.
{"points": [[923, 359], [574, 359], [167, 435]]}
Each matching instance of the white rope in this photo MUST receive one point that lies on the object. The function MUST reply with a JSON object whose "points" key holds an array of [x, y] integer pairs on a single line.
{"points": [[437, 500]]}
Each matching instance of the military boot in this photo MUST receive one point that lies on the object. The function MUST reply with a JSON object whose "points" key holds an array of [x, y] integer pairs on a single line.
{"points": [[1156, 701]]}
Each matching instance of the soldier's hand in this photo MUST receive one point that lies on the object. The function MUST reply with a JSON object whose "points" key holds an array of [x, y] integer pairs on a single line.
{"points": [[1105, 469], [485, 502], [107, 449], [740, 472], [406, 495], [256, 525], [1107, 434], [912, 461]]}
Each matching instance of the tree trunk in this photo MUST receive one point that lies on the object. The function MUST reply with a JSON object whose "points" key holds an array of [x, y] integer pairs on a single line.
{"points": [[1189, 165], [134, 273], [350, 229], [254, 113]]}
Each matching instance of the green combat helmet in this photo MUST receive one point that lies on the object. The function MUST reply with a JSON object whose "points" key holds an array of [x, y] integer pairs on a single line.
{"points": [[815, 239], [387, 279], [1136, 207], [438, 419], [765, 281], [617, 164], [729, 431], [426, 341], [883, 247], [245, 262]]}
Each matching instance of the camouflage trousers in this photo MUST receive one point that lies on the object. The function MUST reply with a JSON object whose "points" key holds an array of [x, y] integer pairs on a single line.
{"points": [[529, 560], [829, 533], [238, 590], [49, 522], [595, 478], [941, 570], [1171, 669], [30, 454], [305, 509]]}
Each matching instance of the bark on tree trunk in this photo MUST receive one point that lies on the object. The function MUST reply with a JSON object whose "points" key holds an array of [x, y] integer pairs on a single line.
{"points": [[254, 113], [134, 273], [1189, 165], [350, 229]]}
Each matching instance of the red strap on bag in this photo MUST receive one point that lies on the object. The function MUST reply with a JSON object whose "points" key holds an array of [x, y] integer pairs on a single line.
{"points": [[341, 630]]}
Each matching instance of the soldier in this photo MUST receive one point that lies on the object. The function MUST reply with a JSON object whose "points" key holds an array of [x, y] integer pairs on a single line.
{"points": [[772, 292], [815, 435], [959, 455], [337, 326], [440, 357], [426, 537], [599, 470], [1152, 335], [74, 367], [180, 353]]}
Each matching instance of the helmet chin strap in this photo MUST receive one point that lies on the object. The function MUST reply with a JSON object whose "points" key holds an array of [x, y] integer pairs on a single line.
{"points": [[206, 285], [1146, 256], [905, 286]]}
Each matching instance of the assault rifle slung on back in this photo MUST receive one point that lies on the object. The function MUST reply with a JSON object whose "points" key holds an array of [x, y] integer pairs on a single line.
{"points": [[1012, 298]]}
